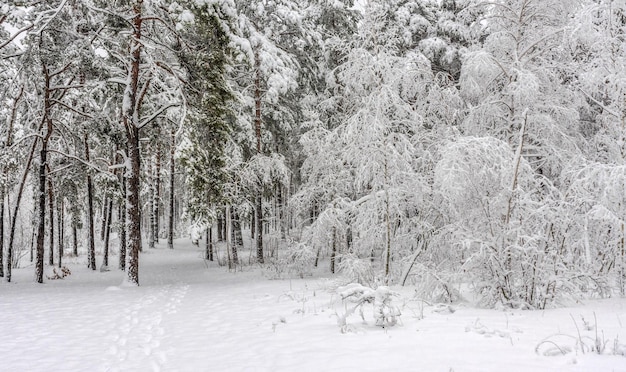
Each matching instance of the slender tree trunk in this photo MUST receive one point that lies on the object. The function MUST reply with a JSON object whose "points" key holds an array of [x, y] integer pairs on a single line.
{"points": [[333, 252], [20, 192], [281, 213], [5, 173], [220, 228], [42, 177], [51, 220], [91, 244], [103, 220], [209, 244], [151, 192], [74, 237], [122, 222], [235, 238], [61, 229], [170, 233], [157, 191], [41, 230], [387, 223], [257, 126], [107, 233]]}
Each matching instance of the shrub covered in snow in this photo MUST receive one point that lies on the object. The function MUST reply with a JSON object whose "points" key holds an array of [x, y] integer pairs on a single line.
{"points": [[354, 296]]}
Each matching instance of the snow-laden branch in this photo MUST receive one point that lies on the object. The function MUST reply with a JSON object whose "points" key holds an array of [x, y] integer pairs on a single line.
{"points": [[156, 114]]}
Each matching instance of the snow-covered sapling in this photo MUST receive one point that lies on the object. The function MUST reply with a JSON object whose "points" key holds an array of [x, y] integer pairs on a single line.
{"points": [[385, 313]]}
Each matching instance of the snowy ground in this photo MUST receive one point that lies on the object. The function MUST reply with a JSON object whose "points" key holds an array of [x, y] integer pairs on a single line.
{"points": [[187, 316]]}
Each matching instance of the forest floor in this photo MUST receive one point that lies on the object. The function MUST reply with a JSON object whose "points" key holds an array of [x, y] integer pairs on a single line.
{"points": [[191, 315]]}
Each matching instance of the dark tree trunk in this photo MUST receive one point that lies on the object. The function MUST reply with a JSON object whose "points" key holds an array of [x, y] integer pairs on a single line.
{"points": [[333, 253], [220, 229], [41, 230], [133, 215], [236, 237], [20, 192], [151, 191], [257, 126], [91, 244], [157, 192], [107, 233], [51, 220], [209, 244], [61, 230], [42, 177], [170, 233], [103, 219], [74, 237], [7, 143], [259, 229], [122, 222], [132, 137]]}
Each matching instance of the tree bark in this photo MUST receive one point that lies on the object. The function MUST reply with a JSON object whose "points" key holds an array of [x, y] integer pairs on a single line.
{"points": [[61, 229], [41, 230], [157, 192], [236, 238], [130, 121], [107, 234], [74, 236], [42, 176], [209, 244], [220, 228], [5, 172], [151, 192], [170, 233], [122, 222], [91, 244], [51, 220], [257, 126]]}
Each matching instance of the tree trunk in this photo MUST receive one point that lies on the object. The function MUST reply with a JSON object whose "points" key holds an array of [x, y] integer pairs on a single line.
{"points": [[157, 192], [170, 233], [91, 244], [220, 229], [130, 121], [61, 230], [41, 230], [209, 244], [257, 126], [8, 143], [151, 192], [20, 192], [122, 222], [74, 237], [235, 238], [107, 233], [103, 219], [42, 177], [259, 229], [132, 205], [51, 220], [333, 252]]}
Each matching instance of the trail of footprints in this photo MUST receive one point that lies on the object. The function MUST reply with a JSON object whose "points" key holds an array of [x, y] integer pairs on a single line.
{"points": [[137, 339]]}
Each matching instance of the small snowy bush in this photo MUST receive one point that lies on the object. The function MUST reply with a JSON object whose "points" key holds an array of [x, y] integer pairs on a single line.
{"points": [[354, 296]]}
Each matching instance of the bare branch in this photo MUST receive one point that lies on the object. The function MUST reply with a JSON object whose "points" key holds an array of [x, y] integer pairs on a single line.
{"points": [[156, 114]]}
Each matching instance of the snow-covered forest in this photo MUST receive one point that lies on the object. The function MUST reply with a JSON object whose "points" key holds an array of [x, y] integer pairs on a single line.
{"points": [[469, 150], [435, 143]]}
